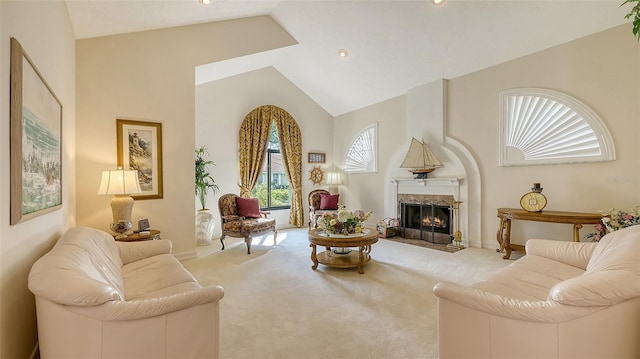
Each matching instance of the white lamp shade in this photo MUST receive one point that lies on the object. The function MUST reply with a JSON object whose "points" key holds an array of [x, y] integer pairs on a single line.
{"points": [[333, 178], [119, 182]]}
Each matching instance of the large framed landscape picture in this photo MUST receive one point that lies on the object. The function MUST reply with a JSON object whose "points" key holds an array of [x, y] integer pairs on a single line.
{"points": [[140, 148], [36, 141]]}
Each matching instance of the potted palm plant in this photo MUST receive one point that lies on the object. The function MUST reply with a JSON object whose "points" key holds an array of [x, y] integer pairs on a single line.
{"points": [[204, 182]]}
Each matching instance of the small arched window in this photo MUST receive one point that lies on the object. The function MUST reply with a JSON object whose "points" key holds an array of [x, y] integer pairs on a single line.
{"points": [[539, 126], [362, 156]]}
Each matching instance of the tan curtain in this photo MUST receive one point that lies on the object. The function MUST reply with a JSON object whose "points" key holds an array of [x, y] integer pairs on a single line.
{"points": [[291, 148], [254, 133]]}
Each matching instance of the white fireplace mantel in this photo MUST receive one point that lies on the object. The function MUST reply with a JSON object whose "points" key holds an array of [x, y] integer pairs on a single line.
{"points": [[434, 186]]}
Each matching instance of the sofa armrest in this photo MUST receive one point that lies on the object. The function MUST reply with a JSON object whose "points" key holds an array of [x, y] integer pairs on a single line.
{"points": [[571, 253], [526, 310], [121, 310], [135, 251]]}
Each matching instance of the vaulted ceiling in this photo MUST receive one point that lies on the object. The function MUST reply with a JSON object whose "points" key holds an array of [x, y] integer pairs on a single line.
{"points": [[393, 45]]}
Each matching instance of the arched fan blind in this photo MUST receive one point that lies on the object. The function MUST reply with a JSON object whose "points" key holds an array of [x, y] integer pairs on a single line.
{"points": [[539, 126], [362, 155]]}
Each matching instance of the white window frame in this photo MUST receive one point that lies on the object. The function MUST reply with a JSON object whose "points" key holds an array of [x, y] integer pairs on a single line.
{"points": [[534, 125], [357, 161]]}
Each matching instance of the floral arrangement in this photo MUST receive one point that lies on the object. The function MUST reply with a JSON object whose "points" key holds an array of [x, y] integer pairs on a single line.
{"points": [[344, 222], [614, 220]]}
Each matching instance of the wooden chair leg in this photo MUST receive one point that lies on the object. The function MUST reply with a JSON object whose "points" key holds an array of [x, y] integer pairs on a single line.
{"points": [[222, 240], [248, 240]]}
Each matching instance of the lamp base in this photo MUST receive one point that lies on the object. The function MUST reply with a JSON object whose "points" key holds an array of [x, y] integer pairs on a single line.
{"points": [[121, 208], [121, 227]]}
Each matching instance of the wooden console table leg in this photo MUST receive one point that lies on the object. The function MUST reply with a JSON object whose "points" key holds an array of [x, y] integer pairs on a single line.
{"points": [[314, 257], [361, 259], [576, 232], [507, 238], [499, 235]]}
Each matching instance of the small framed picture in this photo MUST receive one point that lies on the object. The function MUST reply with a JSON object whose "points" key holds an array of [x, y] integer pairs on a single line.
{"points": [[143, 225], [317, 157]]}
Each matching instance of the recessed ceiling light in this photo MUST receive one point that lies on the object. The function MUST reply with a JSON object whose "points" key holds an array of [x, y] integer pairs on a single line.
{"points": [[204, 2], [438, 2], [343, 53]]}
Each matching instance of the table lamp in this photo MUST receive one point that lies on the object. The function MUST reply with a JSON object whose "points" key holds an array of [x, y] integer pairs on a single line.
{"points": [[120, 183], [333, 180]]}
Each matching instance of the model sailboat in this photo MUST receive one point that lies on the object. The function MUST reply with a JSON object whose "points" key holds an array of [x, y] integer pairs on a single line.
{"points": [[420, 159]]}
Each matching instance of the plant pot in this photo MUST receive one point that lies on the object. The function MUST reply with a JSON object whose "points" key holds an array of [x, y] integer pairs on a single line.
{"points": [[204, 227]]}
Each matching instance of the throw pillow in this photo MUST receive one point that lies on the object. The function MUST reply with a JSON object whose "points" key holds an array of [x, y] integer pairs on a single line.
{"points": [[248, 207], [329, 201]]}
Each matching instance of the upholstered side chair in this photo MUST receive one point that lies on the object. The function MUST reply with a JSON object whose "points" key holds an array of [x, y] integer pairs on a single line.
{"points": [[315, 207], [237, 222]]}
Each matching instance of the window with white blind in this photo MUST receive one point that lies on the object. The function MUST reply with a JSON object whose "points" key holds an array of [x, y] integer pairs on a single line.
{"points": [[540, 126], [362, 154]]}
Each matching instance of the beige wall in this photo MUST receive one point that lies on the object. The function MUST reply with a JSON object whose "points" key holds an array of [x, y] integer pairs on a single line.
{"points": [[51, 47], [366, 190], [149, 76], [220, 109], [600, 70]]}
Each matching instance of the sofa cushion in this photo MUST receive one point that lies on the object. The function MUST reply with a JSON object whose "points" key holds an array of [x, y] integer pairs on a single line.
{"points": [[529, 278], [84, 268], [329, 201], [597, 289], [248, 207], [612, 275], [619, 250], [156, 276]]}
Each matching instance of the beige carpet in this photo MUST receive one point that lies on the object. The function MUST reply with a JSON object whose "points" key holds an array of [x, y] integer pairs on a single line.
{"points": [[276, 306]]}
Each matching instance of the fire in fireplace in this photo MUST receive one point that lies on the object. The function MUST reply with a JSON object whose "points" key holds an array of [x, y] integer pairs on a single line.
{"points": [[426, 220]]}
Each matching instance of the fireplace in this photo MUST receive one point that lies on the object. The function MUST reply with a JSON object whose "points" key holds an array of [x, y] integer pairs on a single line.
{"points": [[429, 219]]}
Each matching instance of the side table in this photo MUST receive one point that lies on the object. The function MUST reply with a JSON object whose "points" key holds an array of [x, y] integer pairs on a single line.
{"points": [[136, 237]]}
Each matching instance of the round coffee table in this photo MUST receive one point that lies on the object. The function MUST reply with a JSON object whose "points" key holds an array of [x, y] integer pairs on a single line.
{"points": [[352, 259]]}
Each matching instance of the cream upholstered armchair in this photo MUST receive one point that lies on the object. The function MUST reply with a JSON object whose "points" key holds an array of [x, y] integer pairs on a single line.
{"points": [[320, 203], [242, 218], [561, 300]]}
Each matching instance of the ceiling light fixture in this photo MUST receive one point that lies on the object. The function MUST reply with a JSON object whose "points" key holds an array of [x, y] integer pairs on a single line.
{"points": [[204, 2], [438, 2], [343, 53]]}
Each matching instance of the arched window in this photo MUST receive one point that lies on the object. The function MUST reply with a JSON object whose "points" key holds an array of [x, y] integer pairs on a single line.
{"points": [[539, 126], [362, 156], [270, 151]]}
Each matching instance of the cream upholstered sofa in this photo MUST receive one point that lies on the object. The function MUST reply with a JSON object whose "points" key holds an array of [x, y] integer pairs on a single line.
{"points": [[561, 300], [97, 298]]}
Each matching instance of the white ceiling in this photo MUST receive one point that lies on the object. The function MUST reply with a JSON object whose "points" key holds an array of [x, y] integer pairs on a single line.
{"points": [[393, 45]]}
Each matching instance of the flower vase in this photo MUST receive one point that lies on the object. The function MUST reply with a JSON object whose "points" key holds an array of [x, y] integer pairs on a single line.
{"points": [[204, 227]]}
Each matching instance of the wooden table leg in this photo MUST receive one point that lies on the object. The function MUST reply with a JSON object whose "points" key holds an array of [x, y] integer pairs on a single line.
{"points": [[361, 259], [314, 257], [576, 232], [499, 235], [507, 238]]}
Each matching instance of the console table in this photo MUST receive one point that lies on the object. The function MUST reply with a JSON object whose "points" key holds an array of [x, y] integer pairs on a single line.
{"points": [[507, 214]]}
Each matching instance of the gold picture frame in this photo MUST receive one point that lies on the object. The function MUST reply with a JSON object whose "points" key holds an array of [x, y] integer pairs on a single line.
{"points": [[317, 157], [36, 141], [142, 151]]}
